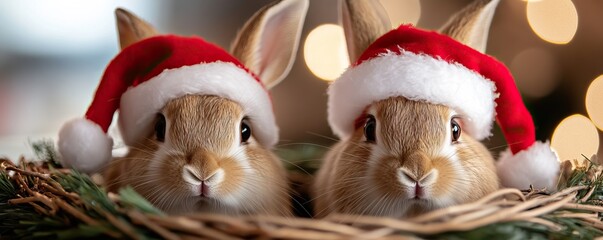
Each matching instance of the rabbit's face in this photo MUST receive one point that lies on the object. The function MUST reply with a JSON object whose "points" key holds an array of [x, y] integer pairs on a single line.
{"points": [[205, 158], [407, 157]]}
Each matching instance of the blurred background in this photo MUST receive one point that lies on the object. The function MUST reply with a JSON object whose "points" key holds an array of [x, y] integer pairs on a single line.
{"points": [[53, 53]]}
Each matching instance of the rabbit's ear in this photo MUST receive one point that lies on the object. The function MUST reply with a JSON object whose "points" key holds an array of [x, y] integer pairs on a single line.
{"points": [[363, 22], [131, 28], [472, 24], [268, 42]]}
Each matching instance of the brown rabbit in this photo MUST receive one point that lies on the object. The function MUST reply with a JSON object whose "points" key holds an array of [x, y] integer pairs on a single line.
{"points": [[406, 171], [199, 132], [201, 165], [404, 157]]}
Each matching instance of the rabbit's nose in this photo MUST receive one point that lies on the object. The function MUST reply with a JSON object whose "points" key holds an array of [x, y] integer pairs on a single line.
{"points": [[409, 178], [197, 177]]}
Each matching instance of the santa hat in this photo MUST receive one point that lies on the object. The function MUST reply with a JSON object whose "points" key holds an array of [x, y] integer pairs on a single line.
{"points": [[428, 66], [143, 77]]}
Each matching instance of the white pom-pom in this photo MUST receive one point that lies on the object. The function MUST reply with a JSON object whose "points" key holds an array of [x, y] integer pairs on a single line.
{"points": [[537, 166], [84, 146]]}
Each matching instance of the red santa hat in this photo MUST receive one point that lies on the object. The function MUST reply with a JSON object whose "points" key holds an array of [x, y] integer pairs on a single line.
{"points": [[428, 66], [143, 77]]}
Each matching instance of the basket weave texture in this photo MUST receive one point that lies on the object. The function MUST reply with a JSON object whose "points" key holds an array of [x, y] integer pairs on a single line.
{"points": [[39, 200]]}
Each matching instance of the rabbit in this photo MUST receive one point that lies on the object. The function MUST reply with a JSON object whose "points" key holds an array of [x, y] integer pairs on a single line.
{"points": [[204, 155], [204, 132], [405, 157]]}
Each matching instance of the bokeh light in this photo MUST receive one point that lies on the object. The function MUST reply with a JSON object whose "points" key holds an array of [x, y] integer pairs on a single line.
{"points": [[325, 51], [554, 21], [402, 11], [575, 136], [535, 72], [594, 101]]}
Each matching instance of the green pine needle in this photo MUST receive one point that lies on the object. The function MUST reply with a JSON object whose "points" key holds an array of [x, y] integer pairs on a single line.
{"points": [[45, 150], [131, 198]]}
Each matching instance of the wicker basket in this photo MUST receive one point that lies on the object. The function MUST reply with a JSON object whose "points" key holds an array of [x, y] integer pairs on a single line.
{"points": [[41, 201]]}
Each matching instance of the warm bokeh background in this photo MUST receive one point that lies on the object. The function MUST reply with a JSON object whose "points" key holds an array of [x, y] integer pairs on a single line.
{"points": [[52, 54]]}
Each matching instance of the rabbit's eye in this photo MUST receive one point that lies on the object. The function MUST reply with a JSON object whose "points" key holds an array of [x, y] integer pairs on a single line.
{"points": [[245, 131], [369, 128], [160, 128], [456, 130]]}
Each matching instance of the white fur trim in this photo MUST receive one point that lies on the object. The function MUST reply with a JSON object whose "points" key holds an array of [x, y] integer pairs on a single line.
{"points": [[537, 166], [139, 105], [416, 77], [84, 146]]}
